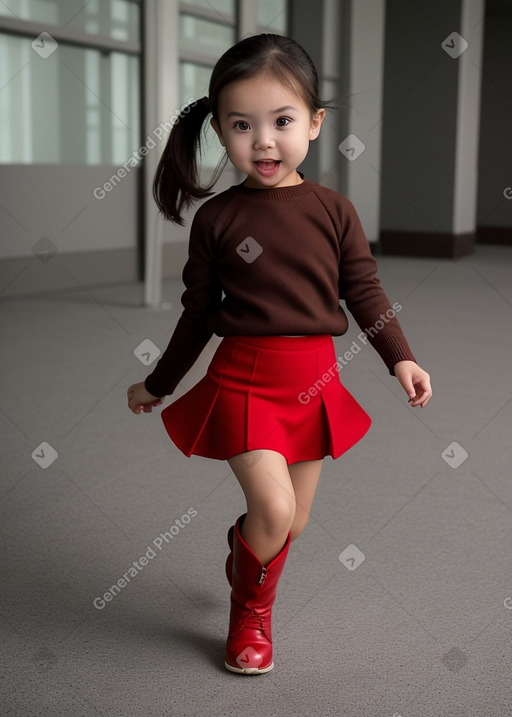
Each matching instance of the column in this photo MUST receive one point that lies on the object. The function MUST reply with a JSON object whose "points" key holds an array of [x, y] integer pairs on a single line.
{"points": [[430, 123]]}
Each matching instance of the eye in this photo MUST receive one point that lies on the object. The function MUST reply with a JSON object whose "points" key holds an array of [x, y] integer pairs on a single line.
{"points": [[243, 126], [282, 121]]}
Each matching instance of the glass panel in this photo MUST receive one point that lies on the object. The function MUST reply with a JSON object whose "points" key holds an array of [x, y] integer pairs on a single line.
{"points": [[125, 100], [74, 107], [208, 38], [42, 11], [14, 58], [194, 80], [272, 16], [225, 8], [92, 70], [118, 19]]}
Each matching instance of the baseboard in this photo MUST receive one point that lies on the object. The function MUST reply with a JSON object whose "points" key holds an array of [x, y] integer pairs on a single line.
{"points": [[375, 247], [431, 244], [494, 235]]}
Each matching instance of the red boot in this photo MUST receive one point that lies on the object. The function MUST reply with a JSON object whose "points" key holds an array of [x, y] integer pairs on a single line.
{"points": [[229, 559], [249, 644]]}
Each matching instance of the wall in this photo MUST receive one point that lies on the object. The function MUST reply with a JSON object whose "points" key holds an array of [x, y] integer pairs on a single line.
{"points": [[495, 173], [419, 117], [55, 205]]}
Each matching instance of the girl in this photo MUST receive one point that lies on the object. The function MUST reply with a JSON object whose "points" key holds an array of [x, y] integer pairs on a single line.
{"points": [[283, 250]]}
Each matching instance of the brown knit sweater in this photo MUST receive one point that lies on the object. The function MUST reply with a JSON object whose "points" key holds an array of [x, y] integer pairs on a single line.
{"points": [[283, 258]]}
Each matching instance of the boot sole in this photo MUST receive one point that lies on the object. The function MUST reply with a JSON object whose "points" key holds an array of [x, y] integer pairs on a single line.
{"points": [[248, 670]]}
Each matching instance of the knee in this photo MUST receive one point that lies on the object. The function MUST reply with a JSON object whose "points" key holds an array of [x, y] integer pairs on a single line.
{"points": [[277, 516]]}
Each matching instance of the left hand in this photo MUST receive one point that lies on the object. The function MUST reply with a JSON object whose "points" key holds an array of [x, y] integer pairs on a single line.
{"points": [[141, 400], [415, 381]]}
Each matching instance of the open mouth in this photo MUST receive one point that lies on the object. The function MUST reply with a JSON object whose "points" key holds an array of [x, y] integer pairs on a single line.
{"points": [[267, 167]]}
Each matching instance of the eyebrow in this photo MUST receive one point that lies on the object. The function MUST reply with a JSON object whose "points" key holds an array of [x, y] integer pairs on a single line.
{"points": [[272, 112]]}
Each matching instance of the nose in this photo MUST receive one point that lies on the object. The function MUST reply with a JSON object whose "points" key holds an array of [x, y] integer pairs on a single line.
{"points": [[264, 140]]}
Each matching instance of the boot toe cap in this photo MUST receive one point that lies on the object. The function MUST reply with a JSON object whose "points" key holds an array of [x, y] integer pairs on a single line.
{"points": [[250, 657]]}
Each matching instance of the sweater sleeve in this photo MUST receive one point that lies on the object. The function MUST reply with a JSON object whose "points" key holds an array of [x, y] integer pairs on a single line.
{"points": [[363, 294], [201, 297]]}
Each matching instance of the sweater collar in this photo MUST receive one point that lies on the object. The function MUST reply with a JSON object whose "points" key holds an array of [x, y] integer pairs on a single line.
{"points": [[296, 190]]}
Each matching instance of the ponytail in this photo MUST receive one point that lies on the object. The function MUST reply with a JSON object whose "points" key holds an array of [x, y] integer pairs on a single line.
{"points": [[176, 183]]}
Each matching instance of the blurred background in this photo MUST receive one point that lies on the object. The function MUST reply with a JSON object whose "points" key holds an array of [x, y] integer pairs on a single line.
{"points": [[89, 90]]}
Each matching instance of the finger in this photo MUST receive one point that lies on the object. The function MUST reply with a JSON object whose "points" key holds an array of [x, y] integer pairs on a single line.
{"points": [[409, 389], [416, 402], [423, 398], [417, 397], [427, 399], [422, 403]]}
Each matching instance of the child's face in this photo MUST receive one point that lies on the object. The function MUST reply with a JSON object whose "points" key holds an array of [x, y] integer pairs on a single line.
{"points": [[266, 130]]}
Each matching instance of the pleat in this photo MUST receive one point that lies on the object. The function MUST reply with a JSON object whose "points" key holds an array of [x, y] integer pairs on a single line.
{"points": [[261, 393]]}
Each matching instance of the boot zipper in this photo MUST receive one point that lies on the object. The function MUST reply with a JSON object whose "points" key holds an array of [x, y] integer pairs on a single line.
{"points": [[263, 576]]}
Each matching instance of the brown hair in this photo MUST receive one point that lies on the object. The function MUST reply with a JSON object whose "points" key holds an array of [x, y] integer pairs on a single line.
{"points": [[176, 183]]}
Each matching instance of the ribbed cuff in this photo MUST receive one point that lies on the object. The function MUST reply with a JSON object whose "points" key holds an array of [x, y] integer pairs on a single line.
{"points": [[394, 350], [155, 389]]}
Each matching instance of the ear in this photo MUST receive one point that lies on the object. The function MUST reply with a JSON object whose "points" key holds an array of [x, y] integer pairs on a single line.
{"points": [[316, 124], [218, 132]]}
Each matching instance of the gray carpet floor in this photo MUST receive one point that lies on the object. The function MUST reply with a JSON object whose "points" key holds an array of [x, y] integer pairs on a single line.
{"points": [[418, 625]]}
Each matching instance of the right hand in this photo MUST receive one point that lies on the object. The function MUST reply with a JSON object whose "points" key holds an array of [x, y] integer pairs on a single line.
{"points": [[139, 399]]}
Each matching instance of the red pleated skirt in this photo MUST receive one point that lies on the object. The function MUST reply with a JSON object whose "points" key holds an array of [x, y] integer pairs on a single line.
{"points": [[275, 392]]}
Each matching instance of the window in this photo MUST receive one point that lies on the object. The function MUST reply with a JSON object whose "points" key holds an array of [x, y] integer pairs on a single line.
{"points": [[117, 19], [70, 96], [207, 30], [272, 16]]}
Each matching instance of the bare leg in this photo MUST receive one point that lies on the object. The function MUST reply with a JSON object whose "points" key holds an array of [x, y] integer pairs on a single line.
{"points": [[279, 498], [304, 476], [267, 485]]}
